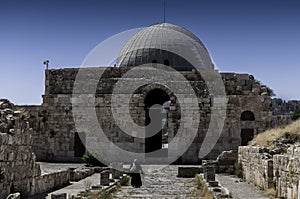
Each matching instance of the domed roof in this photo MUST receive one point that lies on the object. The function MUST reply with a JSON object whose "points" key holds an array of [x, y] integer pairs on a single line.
{"points": [[166, 44]]}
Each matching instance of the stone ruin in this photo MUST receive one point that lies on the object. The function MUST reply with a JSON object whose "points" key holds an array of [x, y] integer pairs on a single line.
{"points": [[47, 132], [282, 107], [265, 170], [17, 160], [248, 108], [19, 172], [248, 112]]}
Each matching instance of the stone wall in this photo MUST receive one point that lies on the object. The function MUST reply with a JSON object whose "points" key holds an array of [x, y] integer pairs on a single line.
{"points": [[257, 166], [19, 171], [287, 173], [17, 161], [281, 120], [54, 128], [282, 107], [280, 171], [50, 181]]}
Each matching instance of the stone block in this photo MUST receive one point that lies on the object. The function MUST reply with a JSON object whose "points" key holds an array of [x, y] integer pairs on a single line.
{"points": [[59, 196], [189, 172], [209, 173], [213, 183], [104, 178]]}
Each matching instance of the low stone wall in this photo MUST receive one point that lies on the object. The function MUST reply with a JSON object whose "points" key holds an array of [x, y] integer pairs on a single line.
{"points": [[281, 171], [81, 174], [257, 166], [287, 173], [50, 181]]}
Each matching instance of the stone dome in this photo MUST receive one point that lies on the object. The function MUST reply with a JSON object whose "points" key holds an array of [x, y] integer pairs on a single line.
{"points": [[166, 44]]}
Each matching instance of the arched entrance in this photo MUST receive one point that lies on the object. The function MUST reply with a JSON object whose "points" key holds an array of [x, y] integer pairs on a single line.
{"points": [[158, 97]]}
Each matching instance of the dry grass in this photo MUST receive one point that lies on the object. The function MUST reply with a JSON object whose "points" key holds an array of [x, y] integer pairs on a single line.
{"points": [[202, 189], [265, 139], [97, 195], [270, 192]]}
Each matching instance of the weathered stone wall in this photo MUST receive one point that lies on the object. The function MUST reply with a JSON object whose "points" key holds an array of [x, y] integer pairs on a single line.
{"points": [[257, 166], [281, 120], [46, 182], [281, 171], [287, 173], [19, 171], [282, 107], [17, 161], [55, 130]]}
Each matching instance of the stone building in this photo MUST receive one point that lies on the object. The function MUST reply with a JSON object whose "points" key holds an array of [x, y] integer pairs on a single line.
{"points": [[248, 108]]}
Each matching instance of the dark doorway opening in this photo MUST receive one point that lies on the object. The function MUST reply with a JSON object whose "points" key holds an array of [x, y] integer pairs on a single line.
{"points": [[156, 96], [166, 62], [246, 136], [79, 144]]}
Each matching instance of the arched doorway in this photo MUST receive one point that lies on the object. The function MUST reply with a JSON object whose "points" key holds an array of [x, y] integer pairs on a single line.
{"points": [[155, 97]]}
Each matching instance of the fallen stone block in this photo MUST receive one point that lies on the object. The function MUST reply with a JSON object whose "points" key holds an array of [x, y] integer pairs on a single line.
{"points": [[59, 196], [189, 172]]}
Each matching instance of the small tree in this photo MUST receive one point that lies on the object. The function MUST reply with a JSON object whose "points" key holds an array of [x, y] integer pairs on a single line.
{"points": [[296, 114]]}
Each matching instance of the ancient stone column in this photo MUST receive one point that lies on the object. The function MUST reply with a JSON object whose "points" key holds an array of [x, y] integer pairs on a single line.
{"points": [[209, 172], [104, 178]]}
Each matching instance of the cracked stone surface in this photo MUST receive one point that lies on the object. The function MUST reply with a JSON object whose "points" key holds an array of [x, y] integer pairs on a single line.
{"points": [[160, 183]]}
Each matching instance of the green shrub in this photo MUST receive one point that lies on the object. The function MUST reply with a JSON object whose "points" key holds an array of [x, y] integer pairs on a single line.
{"points": [[239, 170], [91, 160], [125, 181], [296, 114]]}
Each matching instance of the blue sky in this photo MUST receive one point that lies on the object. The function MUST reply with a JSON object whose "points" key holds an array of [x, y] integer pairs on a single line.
{"points": [[260, 37]]}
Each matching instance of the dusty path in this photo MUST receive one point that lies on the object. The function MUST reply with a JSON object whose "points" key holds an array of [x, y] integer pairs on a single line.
{"points": [[240, 190], [160, 183]]}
